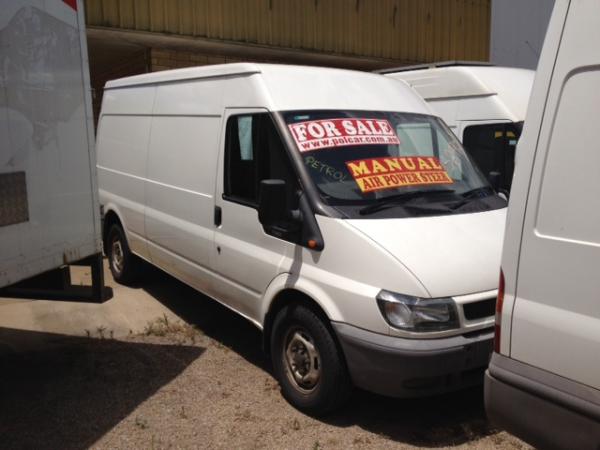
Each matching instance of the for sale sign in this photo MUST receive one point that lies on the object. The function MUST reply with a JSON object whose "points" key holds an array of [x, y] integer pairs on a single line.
{"points": [[376, 174], [321, 134]]}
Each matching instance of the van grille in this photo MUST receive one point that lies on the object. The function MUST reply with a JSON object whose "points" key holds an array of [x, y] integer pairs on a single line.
{"points": [[480, 309]]}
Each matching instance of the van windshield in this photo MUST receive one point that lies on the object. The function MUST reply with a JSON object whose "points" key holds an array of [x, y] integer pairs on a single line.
{"points": [[369, 163]]}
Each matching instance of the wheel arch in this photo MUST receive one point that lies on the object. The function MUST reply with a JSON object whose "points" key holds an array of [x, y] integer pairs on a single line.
{"points": [[280, 294], [111, 217]]}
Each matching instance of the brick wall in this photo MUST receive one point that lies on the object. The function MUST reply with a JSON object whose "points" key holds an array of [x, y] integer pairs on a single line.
{"points": [[133, 64], [170, 59]]}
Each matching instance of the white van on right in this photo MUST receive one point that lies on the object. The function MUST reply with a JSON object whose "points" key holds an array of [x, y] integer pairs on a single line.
{"points": [[543, 382]]}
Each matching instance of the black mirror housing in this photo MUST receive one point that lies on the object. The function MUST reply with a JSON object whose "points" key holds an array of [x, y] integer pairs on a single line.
{"points": [[272, 202], [494, 179], [299, 226]]}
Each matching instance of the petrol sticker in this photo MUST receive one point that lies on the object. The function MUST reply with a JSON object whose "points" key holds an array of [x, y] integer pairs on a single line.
{"points": [[376, 174], [320, 134], [325, 169]]}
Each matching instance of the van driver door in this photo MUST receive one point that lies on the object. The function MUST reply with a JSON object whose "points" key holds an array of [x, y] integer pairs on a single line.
{"points": [[245, 258]]}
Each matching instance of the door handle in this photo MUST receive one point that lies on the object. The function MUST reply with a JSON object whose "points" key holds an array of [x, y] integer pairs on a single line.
{"points": [[218, 216]]}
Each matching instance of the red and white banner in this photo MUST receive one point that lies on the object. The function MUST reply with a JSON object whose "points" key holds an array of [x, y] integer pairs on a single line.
{"points": [[320, 134]]}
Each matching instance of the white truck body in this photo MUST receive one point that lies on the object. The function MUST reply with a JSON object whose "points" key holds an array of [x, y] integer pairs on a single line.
{"points": [[484, 106], [183, 153], [49, 210], [548, 320]]}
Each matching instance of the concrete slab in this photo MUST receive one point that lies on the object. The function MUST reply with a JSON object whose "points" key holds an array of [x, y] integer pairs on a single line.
{"points": [[128, 312]]}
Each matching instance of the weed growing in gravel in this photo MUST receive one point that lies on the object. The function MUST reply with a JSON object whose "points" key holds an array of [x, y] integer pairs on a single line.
{"points": [[100, 331], [182, 413], [162, 326], [141, 423]]}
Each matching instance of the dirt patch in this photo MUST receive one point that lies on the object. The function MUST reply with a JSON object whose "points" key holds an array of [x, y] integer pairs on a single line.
{"points": [[175, 387], [200, 382]]}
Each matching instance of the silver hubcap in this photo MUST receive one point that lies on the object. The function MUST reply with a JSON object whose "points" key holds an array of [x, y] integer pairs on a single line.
{"points": [[302, 360], [117, 255]]}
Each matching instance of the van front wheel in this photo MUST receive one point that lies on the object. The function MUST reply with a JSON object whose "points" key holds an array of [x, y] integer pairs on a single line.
{"points": [[307, 362], [123, 263]]}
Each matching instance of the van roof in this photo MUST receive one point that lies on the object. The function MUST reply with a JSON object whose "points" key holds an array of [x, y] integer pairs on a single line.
{"points": [[280, 87], [511, 85], [434, 65], [461, 81], [188, 73]]}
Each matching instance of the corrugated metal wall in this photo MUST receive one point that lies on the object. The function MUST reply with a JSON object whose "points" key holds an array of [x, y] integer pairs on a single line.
{"points": [[403, 30]]}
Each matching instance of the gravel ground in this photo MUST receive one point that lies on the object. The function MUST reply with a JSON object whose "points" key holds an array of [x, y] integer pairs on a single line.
{"points": [[206, 386]]}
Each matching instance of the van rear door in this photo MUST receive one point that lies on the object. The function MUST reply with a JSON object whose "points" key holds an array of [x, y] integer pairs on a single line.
{"points": [[556, 316]]}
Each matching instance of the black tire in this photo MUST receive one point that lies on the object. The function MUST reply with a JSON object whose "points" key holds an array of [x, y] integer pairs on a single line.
{"points": [[124, 266], [293, 326]]}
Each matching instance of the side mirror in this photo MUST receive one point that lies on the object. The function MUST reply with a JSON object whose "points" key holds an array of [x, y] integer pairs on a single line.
{"points": [[494, 179], [271, 202]]}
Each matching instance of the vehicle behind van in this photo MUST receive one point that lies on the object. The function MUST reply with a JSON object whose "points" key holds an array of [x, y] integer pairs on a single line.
{"points": [[330, 208], [483, 105], [543, 383]]}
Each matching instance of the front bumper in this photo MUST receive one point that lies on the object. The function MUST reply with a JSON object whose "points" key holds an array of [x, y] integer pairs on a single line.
{"points": [[400, 367]]}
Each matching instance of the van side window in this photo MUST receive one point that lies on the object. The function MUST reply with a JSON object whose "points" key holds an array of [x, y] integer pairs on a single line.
{"points": [[253, 152], [245, 137], [492, 147]]}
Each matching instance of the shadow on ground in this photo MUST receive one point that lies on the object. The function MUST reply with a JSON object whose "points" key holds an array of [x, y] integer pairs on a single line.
{"points": [[439, 421], [67, 392]]}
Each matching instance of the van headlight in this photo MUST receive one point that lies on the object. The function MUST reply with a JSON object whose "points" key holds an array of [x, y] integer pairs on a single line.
{"points": [[417, 314]]}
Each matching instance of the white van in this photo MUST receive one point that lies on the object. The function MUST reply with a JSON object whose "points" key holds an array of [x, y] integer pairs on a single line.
{"points": [[543, 382], [328, 207], [482, 104]]}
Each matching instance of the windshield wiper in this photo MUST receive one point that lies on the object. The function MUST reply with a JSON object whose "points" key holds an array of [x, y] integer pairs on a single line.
{"points": [[483, 191], [387, 202], [473, 194]]}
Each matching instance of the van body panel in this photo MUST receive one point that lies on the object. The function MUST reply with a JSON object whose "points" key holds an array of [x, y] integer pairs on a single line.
{"points": [[125, 135], [124, 129], [523, 170], [479, 93], [187, 74], [246, 259], [560, 225], [469, 241], [285, 95], [139, 101], [550, 320], [179, 196], [553, 413]]}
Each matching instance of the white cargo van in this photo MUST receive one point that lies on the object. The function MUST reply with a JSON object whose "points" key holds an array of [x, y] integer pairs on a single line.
{"points": [[328, 207], [543, 383], [483, 105]]}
